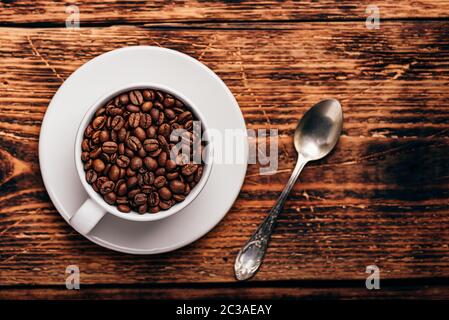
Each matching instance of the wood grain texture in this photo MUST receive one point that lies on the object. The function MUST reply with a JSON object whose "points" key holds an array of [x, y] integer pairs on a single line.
{"points": [[231, 293], [110, 11], [380, 198]]}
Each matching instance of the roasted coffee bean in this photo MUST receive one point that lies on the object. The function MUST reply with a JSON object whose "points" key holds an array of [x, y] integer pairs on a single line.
{"points": [[114, 173], [177, 186], [134, 120], [123, 161], [142, 208], [145, 179], [85, 145], [114, 136], [169, 102], [175, 126], [140, 199], [122, 134], [117, 123], [170, 165], [165, 130], [136, 97], [122, 173], [110, 197], [165, 205], [147, 189], [154, 113], [88, 164], [150, 163], [160, 172], [159, 95], [170, 114], [132, 108], [91, 176], [109, 147], [122, 200], [98, 165], [146, 106], [179, 197], [124, 208], [106, 187], [160, 181], [140, 134], [104, 135], [145, 120], [172, 175], [100, 112], [141, 153], [179, 104], [188, 125], [163, 143], [96, 137], [150, 145], [161, 118], [131, 182], [142, 169], [110, 105], [108, 124], [133, 143], [153, 199], [198, 174], [151, 132], [85, 156], [132, 193], [101, 180], [106, 169], [155, 153], [165, 193], [127, 153], [162, 159], [136, 163], [184, 117], [99, 122], [154, 209], [130, 172], [189, 169], [89, 131], [115, 111], [124, 99], [148, 94], [187, 190], [121, 189], [121, 149]]}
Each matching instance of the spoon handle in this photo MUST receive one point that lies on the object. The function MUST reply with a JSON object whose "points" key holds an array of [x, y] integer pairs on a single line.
{"points": [[251, 255]]}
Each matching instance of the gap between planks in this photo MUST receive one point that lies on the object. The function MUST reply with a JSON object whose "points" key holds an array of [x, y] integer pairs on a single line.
{"points": [[213, 24]]}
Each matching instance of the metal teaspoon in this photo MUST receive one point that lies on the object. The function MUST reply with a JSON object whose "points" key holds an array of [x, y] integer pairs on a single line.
{"points": [[315, 136]]}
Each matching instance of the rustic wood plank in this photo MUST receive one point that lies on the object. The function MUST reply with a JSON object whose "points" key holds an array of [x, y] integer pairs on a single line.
{"points": [[113, 12], [236, 293], [380, 198]]}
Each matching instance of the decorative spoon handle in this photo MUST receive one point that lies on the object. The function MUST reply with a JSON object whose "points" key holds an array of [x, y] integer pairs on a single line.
{"points": [[251, 255]]}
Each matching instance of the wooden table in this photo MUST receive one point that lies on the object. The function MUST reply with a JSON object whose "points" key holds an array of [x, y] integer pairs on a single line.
{"points": [[381, 198]]}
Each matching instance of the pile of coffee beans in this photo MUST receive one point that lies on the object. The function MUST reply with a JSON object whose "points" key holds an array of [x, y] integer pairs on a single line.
{"points": [[126, 151]]}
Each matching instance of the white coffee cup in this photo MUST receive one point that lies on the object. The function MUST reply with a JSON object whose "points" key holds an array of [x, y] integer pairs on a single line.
{"points": [[94, 208]]}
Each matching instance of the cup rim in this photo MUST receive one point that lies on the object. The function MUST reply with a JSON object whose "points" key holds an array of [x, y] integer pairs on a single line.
{"points": [[135, 216]]}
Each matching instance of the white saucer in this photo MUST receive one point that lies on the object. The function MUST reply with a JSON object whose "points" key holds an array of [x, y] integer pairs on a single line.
{"points": [[112, 70]]}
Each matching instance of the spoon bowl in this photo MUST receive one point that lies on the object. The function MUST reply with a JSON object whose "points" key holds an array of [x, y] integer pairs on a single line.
{"points": [[319, 129]]}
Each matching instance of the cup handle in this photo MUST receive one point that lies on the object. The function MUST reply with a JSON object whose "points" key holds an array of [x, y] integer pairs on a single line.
{"points": [[87, 217]]}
